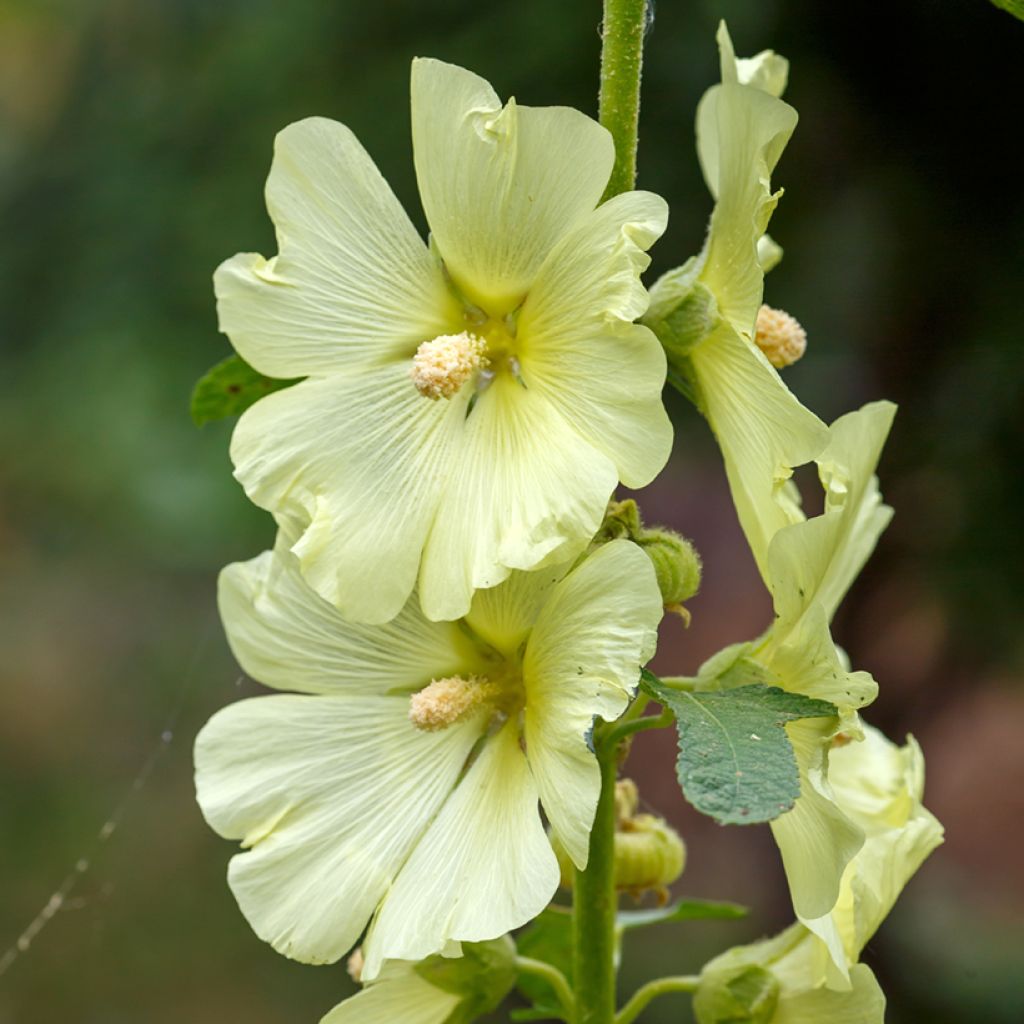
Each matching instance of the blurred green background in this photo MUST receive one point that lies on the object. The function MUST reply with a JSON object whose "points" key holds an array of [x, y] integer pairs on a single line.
{"points": [[135, 136]]}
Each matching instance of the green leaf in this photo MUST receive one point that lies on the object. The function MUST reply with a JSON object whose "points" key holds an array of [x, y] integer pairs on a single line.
{"points": [[736, 763], [1014, 7], [548, 938], [684, 910], [229, 388], [536, 1013]]}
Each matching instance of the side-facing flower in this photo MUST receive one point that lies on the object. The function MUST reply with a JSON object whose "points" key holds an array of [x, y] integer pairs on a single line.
{"points": [[398, 785], [706, 312], [438, 990], [809, 566], [468, 407], [810, 973]]}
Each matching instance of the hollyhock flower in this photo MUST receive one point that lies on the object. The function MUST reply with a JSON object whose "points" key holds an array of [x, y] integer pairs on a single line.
{"points": [[469, 406], [397, 784], [810, 973], [708, 313], [810, 564]]}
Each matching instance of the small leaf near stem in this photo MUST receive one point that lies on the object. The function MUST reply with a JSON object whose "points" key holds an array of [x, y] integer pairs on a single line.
{"points": [[622, 39]]}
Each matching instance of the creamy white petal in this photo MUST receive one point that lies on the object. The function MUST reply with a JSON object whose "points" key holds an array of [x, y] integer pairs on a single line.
{"points": [[399, 996], [816, 839], [580, 348], [329, 795], [500, 185], [353, 283], [360, 460], [862, 1003], [583, 660], [763, 431], [818, 560], [484, 867], [525, 490], [286, 636]]}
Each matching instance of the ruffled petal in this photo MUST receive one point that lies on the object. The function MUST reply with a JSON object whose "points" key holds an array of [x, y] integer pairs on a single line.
{"points": [[762, 430], [580, 348], [816, 839], [741, 133], [818, 560], [500, 185], [525, 491], [329, 795], [353, 282], [879, 787], [286, 636], [484, 867], [399, 996], [359, 460], [767, 70], [597, 629]]}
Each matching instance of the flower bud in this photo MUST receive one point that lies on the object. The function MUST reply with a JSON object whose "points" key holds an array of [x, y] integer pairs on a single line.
{"points": [[676, 564], [683, 311], [745, 995]]}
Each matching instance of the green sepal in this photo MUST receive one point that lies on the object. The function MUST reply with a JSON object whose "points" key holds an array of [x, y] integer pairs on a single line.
{"points": [[748, 996], [683, 910], [229, 388], [548, 938], [683, 310], [482, 976], [736, 763]]}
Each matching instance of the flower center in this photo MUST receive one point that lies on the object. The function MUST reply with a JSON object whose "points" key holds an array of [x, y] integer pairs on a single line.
{"points": [[779, 336], [447, 701], [441, 366]]}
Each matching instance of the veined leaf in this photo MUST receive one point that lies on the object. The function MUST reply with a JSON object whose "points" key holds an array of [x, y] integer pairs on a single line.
{"points": [[683, 910], [736, 763], [229, 388]]}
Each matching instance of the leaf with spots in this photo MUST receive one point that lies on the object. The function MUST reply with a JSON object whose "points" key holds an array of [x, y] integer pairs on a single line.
{"points": [[229, 388], [736, 763]]}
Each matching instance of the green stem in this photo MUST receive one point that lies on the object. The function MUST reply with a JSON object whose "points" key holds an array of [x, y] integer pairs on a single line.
{"points": [[622, 728], [622, 39], [553, 976], [595, 903], [652, 990]]}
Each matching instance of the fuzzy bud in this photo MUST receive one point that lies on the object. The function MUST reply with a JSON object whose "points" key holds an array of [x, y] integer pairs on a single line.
{"points": [[683, 312], [676, 564], [744, 995]]}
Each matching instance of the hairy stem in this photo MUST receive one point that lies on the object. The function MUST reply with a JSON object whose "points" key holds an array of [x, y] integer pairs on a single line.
{"points": [[594, 905], [622, 39], [651, 990]]}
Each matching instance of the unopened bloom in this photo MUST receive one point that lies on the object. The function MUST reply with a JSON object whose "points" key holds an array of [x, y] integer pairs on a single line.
{"points": [[398, 784], [469, 406], [706, 312], [809, 565], [811, 972]]}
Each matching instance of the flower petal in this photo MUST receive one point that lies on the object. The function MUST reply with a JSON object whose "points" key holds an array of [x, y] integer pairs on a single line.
{"points": [[330, 794], [863, 1003], [286, 636], [399, 996], [816, 839], [580, 348], [484, 866], [500, 185], [819, 559], [766, 70], [763, 431], [741, 133], [354, 282], [525, 491], [583, 659], [359, 459]]}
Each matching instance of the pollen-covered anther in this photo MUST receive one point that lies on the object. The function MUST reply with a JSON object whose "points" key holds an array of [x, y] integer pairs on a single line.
{"points": [[780, 337], [355, 965], [447, 701], [442, 365]]}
